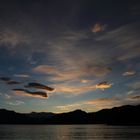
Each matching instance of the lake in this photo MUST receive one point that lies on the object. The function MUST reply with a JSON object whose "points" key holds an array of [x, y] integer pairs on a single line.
{"points": [[69, 132]]}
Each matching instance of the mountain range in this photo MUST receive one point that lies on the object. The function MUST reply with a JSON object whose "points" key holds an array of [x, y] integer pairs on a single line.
{"points": [[124, 115]]}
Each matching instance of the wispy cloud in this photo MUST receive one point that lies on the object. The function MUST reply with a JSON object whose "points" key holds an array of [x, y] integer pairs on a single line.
{"points": [[129, 73], [13, 38], [136, 97], [13, 82], [91, 105], [101, 103], [22, 75], [16, 103], [73, 90], [125, 40], [98, 27], [75, 72], [134, 85], [69, 107], [46, 69], [7, 96], [80, 88]]}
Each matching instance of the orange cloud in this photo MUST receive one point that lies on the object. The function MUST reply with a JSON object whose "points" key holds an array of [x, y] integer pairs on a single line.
{"points": [[98, 104], [103, 85], [98, 28], [78, 89], [73, 73], [73, 89], [101, 101], [84, 81], [69, 107]]}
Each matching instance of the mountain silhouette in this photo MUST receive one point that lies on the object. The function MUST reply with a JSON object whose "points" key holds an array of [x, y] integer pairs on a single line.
{"points": [[124, 115]]}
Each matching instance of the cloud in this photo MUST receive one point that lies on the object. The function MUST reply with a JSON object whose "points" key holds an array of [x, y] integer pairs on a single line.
{"points": [[69, 107], [131, 99], [73, 73], [5, 79], [68, 77], [22, 75], [56, 73], [91, 105], [137, 97], [46, 69], [16, 103], [129, 73], [9, 81], [24, 92], [12, 82], [6, 96], [79, 89], [98, 28], [13, 38], [126, 41], [134, 85], [39, 86], [96, 70], [84, 81], [101, 101], [74, 89], [130, 92], [103, 85]]}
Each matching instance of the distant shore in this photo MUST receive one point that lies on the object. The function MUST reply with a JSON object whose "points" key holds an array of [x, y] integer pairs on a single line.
{"points": [[124, 115]]}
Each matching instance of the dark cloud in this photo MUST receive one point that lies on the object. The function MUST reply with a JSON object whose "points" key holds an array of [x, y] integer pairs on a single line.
{"points": [[25, 92], [9, 81], [39, 86], [5, 79]]}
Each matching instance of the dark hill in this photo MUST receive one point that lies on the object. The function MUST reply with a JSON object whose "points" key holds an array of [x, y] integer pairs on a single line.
{"points": [[124, 115]]}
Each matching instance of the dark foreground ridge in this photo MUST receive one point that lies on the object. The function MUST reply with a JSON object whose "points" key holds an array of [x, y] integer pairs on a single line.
{"points": [[124, 115]]}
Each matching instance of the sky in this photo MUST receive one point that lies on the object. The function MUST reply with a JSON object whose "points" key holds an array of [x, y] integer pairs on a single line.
{"points": [[62, 55]]}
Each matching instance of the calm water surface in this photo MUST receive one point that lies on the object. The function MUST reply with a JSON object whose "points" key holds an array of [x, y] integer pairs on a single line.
{"points": [[69, 132]]}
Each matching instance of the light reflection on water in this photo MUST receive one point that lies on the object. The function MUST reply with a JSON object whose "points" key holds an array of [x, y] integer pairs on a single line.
{"points": [[69, 132]]}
